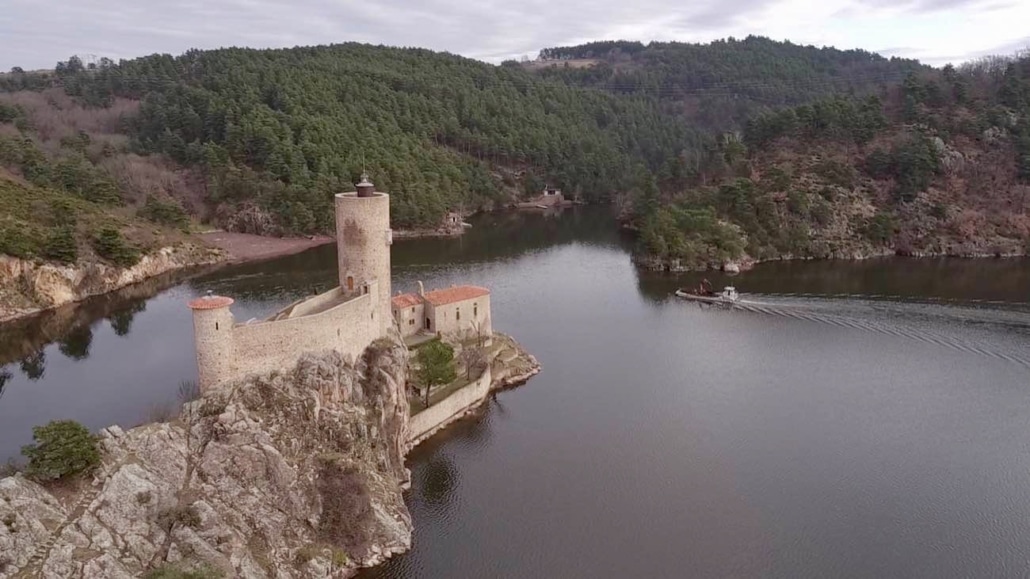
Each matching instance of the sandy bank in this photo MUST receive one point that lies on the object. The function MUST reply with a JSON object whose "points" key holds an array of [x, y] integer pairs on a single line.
{"points": [[248, 247]]}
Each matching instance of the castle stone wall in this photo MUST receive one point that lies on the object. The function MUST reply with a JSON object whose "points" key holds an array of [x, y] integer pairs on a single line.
{"points": [[424, 424], [314, 303], [348, 328]]}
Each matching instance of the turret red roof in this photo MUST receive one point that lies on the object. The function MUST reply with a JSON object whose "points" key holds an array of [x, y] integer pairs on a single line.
{"points": [[210, 302]]}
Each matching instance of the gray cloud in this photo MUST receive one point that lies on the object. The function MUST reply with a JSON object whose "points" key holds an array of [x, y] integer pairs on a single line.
{"points": [[937, 5], [37, 33], [1005, 49]]}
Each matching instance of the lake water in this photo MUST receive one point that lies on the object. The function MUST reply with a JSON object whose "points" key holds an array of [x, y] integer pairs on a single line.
{"points": [[863, 419]]}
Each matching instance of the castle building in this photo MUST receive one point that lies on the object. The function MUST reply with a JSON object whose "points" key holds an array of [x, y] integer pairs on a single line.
{"points": [[460, 311], [346, 318]]}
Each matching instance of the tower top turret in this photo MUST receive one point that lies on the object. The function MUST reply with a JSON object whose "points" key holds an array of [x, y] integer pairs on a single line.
{"points": [[210, 302], [365, 187]]}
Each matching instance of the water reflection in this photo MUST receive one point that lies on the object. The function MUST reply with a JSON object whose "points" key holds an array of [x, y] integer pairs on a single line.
{"points": [[75, 344], [436, 481], [34, 365], [5, 377], [24, 338], [121, 321]]}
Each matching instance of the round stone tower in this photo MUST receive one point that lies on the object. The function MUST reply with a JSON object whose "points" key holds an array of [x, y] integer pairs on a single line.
{"points": [[213, 339], [363, 239]]}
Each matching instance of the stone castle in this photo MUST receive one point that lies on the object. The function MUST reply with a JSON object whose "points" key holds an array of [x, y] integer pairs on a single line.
{"points": [[347, 318]]}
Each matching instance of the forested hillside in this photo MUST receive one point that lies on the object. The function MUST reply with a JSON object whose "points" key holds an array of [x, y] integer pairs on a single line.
{"points": [[719, 85], [731, 150], [274, 133], [65, 189], [941, 166]]}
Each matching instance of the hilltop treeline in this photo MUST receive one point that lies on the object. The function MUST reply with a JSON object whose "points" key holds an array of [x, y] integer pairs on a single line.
{"points": [[719, 85], [279, 131]]}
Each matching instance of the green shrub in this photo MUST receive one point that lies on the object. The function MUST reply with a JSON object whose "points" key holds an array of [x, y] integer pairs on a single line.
{"points": [[14, 241], [939, 211], [836, 173], [62, 212], [880, 229], [60, 246], [9, 113], [167, 213], [797, 203], [61, 449], [822, 212], [183, 516], [110, 245]]}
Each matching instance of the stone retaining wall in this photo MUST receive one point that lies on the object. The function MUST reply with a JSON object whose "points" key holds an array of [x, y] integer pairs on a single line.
{"points": [[426, 423]]}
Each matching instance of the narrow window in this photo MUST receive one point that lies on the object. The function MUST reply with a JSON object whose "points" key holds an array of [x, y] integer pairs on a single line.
{"points": [[350, 282], [475, 310], [457, 314], [411, 322], [216, 326], [364, 289]]}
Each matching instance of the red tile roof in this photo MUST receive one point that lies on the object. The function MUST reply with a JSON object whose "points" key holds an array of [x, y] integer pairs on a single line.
{"points": [[405, 301], [210, 303], [455, 294]]}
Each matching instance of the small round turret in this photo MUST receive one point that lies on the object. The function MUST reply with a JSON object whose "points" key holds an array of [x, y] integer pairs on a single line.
{"points": [[213, 339]]}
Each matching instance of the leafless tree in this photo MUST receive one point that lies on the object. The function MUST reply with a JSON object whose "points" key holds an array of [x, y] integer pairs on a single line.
{"points": [[473, 358]]}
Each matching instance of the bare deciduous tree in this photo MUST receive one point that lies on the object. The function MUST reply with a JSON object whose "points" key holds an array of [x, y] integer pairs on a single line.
{"points": [[473, 358]]}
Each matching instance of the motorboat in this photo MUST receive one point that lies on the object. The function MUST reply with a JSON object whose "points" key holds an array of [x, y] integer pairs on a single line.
{"points": [[728, 295]]}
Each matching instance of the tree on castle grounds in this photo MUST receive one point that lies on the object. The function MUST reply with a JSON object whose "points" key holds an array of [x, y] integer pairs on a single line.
{"points": [[436, 366], [473, 358]]}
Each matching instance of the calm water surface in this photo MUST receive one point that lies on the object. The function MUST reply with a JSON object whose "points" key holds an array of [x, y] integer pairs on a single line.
{"points": [[856, 419]]}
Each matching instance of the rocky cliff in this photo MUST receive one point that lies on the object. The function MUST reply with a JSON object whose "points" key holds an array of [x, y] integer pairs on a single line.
{"points": [[294, 474], [27, 287]]}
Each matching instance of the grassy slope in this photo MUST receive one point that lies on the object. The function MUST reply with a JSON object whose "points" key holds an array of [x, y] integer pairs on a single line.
{"points": [[31, 213]]}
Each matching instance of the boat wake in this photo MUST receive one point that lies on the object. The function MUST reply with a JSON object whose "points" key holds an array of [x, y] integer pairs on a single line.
{"points": [[999, 330]]}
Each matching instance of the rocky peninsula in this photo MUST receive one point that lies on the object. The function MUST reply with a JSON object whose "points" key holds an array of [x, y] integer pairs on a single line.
{"points": [[295, 473]]}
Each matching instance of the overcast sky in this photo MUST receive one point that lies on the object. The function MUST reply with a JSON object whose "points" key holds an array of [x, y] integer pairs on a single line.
{"points": [[38, 33]]}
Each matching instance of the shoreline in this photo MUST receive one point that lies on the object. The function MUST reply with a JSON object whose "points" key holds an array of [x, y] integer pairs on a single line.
{"points": [[219, 249], [742, 265]]}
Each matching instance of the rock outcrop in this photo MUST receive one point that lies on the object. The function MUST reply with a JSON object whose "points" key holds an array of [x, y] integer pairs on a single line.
{"points": [[294, 474], [27, 287]]}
